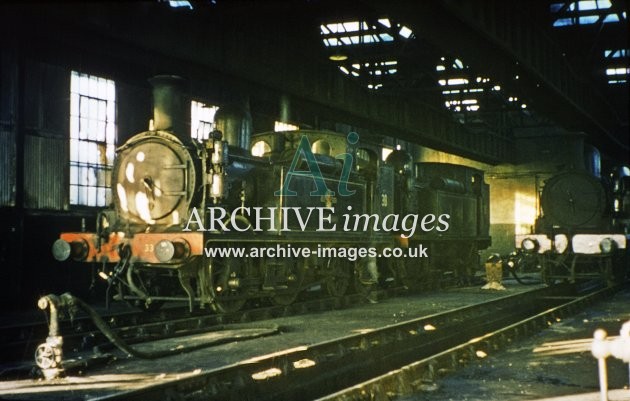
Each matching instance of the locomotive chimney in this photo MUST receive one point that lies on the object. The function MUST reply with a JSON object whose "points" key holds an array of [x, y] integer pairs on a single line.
{"points": [[234, 120], [171, 108]]}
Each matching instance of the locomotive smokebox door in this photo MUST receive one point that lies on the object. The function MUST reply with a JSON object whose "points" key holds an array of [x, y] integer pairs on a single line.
{"points": [[573, 199]]}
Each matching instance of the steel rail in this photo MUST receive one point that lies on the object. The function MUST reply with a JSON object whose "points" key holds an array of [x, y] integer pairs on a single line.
{"points": [[413, 377], [18, 342], [317, 370]]}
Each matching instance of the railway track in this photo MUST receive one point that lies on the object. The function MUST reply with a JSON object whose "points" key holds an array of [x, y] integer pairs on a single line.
{"points": [[389, 361], [19, 341]]}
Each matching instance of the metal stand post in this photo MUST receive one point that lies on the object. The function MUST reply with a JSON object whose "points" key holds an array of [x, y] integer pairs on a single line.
{"points": [[48, 356], [603, 348]]}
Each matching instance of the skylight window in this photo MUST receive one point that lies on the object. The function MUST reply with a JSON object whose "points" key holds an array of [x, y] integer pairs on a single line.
{"points": [[611, 18], [344, 34], [459, 90], [376, 69], [584, 12], [619, 53], [617, 71], [352, 33], [385, 22], [563, 22], [589, 19], [351, 26], [386, 37], [405, 32], [180, 3], [584, 5], [594, 4], [457, 81]]}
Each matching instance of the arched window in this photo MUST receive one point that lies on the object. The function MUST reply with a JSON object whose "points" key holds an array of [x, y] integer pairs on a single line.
{"points": [[260, 148], [321, 147]]}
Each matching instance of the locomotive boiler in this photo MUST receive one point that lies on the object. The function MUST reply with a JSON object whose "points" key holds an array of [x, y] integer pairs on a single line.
{"points": [[217, 225], [582, 231]]}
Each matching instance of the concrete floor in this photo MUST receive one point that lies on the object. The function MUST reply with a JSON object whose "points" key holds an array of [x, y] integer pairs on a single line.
{"points": [[557, 362], [129, 373]]}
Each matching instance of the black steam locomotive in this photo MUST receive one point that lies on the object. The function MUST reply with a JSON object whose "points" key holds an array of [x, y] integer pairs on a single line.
{"points": [[583, 230], [214, 224]]}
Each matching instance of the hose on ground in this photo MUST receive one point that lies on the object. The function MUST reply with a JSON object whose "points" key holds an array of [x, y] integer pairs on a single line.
{"points": [[116, 340], [520, 281]]}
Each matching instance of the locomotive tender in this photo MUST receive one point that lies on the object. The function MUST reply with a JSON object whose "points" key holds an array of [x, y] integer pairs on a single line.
{"points": [[583, 230], [179, 205]]}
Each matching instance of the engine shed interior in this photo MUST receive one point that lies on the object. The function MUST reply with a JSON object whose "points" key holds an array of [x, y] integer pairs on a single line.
{"points": [[519, 91]]}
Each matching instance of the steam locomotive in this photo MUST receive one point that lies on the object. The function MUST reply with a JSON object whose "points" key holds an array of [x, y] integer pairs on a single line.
{"points": [[583, 230], [180, 207]]}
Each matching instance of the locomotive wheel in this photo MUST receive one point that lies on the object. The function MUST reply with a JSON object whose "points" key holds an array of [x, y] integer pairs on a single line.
{"points": [[410, 273], [364, 279], [607, 271], [224, 285], [338, 277], [467, 261], [612, 272], [529, 263], [295, 277], [545, 272]]}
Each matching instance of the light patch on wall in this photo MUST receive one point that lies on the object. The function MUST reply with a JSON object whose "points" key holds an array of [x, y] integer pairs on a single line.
{"points": [[431, 155], [279, 126], [524, 213]]}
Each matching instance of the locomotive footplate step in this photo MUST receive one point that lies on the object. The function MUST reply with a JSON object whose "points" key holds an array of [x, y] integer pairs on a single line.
{"points": [[125, 373]]}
